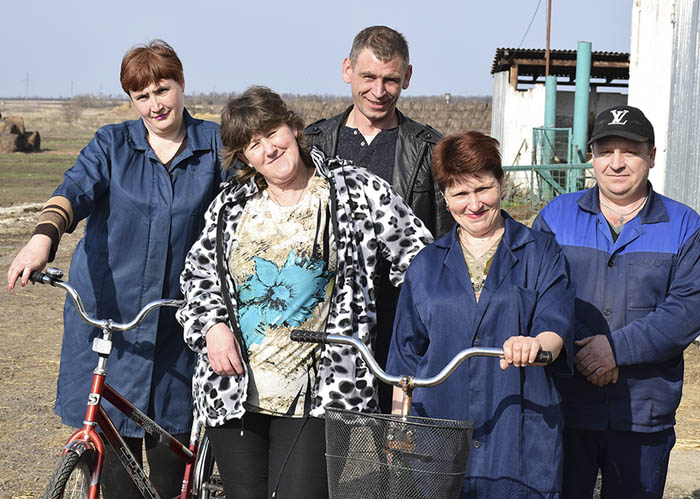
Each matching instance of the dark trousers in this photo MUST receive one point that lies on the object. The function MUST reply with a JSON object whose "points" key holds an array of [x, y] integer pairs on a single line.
{"points": [[166, 469], [632, 464], [260, 454], [387, 297]]}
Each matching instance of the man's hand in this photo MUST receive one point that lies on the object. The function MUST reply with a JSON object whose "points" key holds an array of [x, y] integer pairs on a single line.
{"points": [[223, 351], [596, 361], [604, 378]]}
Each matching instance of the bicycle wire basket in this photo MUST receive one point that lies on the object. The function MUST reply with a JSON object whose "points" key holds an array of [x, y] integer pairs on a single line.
{"points": [[387, 456]]}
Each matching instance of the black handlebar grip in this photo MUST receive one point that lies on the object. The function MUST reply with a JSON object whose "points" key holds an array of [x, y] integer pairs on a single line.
{"points": [[544, 358], [304, 336], [37, 276]]}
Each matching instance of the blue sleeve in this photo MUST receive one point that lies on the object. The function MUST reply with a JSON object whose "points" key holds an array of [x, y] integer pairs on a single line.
{"points": [[88, 178], [554, 309], [580, 331], [668, 330], [410, 340]]}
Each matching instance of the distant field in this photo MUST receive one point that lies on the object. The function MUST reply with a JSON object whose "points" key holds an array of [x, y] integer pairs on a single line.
{"points": [[67, 126]]}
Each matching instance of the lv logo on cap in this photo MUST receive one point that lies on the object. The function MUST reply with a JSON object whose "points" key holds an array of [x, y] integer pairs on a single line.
{"points": [[618, 114]]}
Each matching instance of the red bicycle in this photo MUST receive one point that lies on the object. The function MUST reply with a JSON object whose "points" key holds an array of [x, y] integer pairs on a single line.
{"points": [[78, 473]]}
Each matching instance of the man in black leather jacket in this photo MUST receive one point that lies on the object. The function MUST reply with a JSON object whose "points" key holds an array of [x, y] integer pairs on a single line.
{"points": [[375, 135]]}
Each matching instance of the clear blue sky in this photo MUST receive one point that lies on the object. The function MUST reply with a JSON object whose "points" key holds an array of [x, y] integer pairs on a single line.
{"points": [[292, 46]]}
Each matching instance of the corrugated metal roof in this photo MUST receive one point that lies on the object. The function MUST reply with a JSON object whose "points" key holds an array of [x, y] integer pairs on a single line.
{"points": [[530, 62]]}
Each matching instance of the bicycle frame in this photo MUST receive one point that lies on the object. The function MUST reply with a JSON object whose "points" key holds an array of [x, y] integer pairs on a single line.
{"points": [[88, 438]]}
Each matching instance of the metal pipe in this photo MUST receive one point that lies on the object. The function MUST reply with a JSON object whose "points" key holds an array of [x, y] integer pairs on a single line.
{"points": [[550, 101], [583, 77]]}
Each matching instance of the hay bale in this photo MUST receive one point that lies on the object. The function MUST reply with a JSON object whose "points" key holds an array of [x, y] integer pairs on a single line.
{"points": [[6, 128], [17, 120], [32, 142], [10, 143]]}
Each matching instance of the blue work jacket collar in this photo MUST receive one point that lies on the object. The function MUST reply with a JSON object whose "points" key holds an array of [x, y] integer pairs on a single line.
{"points": [[515, 236], [195, 141], [654, 210]]}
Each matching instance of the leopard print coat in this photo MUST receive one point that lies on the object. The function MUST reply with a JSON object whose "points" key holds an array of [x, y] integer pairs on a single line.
{"points": [[371, 222]]}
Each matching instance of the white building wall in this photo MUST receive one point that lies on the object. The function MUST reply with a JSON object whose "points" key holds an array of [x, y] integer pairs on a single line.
{"points": [[651, 66], [514, 115]]}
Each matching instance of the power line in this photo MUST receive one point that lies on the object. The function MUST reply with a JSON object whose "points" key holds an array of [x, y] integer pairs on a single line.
{"points": [[530, 25]]}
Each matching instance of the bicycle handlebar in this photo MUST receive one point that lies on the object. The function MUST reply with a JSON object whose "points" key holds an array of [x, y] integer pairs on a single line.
{"points": [[54, 278], [543, 357]]}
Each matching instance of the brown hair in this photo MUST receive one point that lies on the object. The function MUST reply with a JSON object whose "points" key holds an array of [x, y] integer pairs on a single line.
{"points": [[257, 110], [464, 154], [143, 65], [385, 43]]}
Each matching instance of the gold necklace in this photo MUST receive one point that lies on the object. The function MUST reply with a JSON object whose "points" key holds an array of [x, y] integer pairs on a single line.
{"points": [[621, 216]]}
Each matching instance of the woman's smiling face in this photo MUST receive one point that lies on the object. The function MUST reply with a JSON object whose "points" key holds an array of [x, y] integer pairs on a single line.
{"points": [[275, 155], [475, 203]]}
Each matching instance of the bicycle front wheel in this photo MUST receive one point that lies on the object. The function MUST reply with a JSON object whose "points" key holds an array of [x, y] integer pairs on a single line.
{"points": [[71, 479]]}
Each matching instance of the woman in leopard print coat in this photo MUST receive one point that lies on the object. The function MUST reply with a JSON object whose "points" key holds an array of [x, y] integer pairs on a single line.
{"points": [[368, 221]]}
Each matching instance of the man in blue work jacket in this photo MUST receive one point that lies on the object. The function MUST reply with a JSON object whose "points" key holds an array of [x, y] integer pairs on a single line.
{"points": [[635, 259]]}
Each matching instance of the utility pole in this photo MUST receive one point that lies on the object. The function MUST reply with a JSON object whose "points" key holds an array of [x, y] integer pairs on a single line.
{"points": [[549, 26], [26, 88]]}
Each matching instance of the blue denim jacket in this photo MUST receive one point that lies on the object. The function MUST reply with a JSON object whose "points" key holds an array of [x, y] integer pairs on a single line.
{"points": [[141, 220]]}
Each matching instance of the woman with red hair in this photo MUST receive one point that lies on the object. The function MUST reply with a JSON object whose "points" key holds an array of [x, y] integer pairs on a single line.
{"points": [[142, 186], [490, 282]]}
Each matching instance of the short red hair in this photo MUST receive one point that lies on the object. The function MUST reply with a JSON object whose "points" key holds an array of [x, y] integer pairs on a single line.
{"points": [[465, 154], [143, 65]]}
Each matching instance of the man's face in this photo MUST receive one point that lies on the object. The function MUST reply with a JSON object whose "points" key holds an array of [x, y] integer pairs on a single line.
{"points": [[621, 168], [376, 85]]}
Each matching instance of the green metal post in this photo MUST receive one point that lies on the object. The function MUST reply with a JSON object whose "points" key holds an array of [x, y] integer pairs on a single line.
{"points": [[550, 101], [583, 77]]}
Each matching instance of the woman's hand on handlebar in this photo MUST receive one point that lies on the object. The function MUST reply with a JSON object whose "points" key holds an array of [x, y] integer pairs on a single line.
{"points": [[223, 351], [33, 256], [521, 351]]}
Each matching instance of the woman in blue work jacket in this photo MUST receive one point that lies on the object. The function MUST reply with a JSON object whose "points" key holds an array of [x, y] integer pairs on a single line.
{"points": [[490, 282], [143, 187]]}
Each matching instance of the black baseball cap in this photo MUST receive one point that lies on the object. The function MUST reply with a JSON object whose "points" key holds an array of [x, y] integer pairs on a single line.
{"points": [[623, 121]]}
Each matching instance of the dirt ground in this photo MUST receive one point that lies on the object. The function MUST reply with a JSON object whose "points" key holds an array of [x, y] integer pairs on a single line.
{"points": [[31, 436]]}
